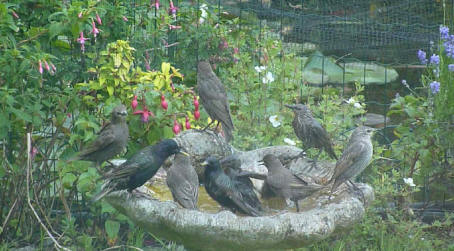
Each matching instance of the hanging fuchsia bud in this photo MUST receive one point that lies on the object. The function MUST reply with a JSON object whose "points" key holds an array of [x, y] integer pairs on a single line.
{"points": [[187, 124], [156, 4], [15, 14], [81, 40], [46, 65], [53, 67], [173, 9], [98, 19], [79, 15], [33, 152], [172, 86], [125, 19], [134, 103], [164, 102], [94, 30], [176, 127], [196, 103], [40, 67], [196, 114]]}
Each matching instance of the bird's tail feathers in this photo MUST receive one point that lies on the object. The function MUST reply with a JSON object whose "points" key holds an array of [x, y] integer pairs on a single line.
{"points": [[104, 191], [227, 132]]}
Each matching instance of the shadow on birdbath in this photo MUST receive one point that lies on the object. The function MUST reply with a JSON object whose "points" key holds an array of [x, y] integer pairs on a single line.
{"points": [[319, 218]]}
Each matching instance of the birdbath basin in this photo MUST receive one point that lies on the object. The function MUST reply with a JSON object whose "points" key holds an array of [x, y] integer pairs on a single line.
{"points": [[278, 229]]}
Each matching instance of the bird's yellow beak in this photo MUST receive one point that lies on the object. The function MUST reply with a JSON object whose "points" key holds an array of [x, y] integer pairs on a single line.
{"points": [[185, 153], [204, 164]]}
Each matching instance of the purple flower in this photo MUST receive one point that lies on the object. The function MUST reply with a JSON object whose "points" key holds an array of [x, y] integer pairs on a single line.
{"points": [[434, 87], [81, 41], [444, 32], [435, 59], [451, 67], [422, 57]]}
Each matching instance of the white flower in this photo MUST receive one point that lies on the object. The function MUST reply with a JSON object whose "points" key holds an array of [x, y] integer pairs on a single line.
{"points": [[259, 68], [357, 105], [268, 78], [289, 141], [274, 119], [409, 181], [203, 15]]}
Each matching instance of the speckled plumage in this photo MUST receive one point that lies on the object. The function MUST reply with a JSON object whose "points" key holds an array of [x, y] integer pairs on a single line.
{"points": [[310, 131], [214, 98], [229, 192], [141, 167], [112, 139], [183, 182], [282, 182], [355, 158]]}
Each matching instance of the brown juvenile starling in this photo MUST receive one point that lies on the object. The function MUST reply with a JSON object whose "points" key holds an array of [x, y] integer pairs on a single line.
{"points": [[355, 158], [111, 141], [214, 98], [309, 130], [141, 167], [183, 182], [229, 192], [282, 182]]}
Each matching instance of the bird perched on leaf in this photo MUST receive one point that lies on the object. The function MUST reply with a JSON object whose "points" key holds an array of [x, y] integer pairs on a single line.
{"points": [[355, 158], [310, 131], [141, 167], [183, 182], [282, 182], [112, 139], [229, 192], [214, 98]]}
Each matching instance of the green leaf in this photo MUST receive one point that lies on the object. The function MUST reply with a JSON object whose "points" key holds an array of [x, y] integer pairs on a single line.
{"points": [[112, 229], [110, 90], [21, 115], [68, 180]]}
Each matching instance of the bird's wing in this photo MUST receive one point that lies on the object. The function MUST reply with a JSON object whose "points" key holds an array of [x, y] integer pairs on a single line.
{"points": [[323, 137], [237, 197], [187, 194], [349, 157], [105, 138], [124, 171]]}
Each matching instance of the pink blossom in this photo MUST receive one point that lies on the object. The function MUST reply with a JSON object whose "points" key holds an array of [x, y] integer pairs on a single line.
{"points": [[196, 114], [53, 67], [145, 114], [196, 103], [156, 5], [15, 14], [187, 124], [79, 15], [125, 19], [176, 127], [81, 41], [33, 152], [40, 67], [46, 65], [164, 104], [173, 9], [98, 19], [174, 27], [94, 30], [134, 103], [147, 65], [236, 50]]}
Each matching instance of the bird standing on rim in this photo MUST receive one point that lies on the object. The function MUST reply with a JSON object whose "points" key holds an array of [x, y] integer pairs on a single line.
{"points": [[229, 192], [310, 131], [355, 158], [141, 167], [112, 139], [183, 182], [214, 98], [282, 182]]}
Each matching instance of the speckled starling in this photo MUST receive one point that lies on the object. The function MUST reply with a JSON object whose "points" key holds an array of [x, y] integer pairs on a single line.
{"points": [[183, 182], [141, 167], [214, 98], [284, 183], [227, 191], [111, 141], [310, 131], [355, 158]]}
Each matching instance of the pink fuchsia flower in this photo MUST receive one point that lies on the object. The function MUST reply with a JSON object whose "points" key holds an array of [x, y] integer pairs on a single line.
{"points": [[173, 9], [81, 40], [156, 5], [236, 50], [196, 114], [46, 65], [196, 103], [15, 14], [164, 104], [53, 67], [134, 103], [187, 124], [174, 27], [145, 114], [176, 127], [94, 30], [33, 152], [98, 19], [125, 19], [40, 67], [79, 15]]}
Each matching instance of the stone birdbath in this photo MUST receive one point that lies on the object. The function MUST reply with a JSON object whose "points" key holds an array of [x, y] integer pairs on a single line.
{"points": [[278, 229]]}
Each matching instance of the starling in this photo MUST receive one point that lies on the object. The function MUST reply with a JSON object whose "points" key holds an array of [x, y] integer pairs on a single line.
{"points": [[282, 182], [112, 139], [309, 130], [355, 158], [183, 182], [229, 192], [214, 98], [141, 167]]}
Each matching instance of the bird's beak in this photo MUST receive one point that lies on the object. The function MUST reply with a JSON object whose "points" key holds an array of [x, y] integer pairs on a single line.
{"points": [[184, 153], [125, 113], [290, 106], [261, 162], [204, 164]]}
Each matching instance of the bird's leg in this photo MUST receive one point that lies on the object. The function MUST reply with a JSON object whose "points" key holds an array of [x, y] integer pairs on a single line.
{"points": [[204, 129], [363, 199], [314, 161], [297, 206], [302, 154]]}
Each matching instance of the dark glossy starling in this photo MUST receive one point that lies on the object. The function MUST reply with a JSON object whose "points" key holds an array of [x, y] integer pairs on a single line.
{"points": [[141, 167], [309, 130], [111, 141], [228, 192], [284, 183], [214, 98], [355, 158], [183, 182]]}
